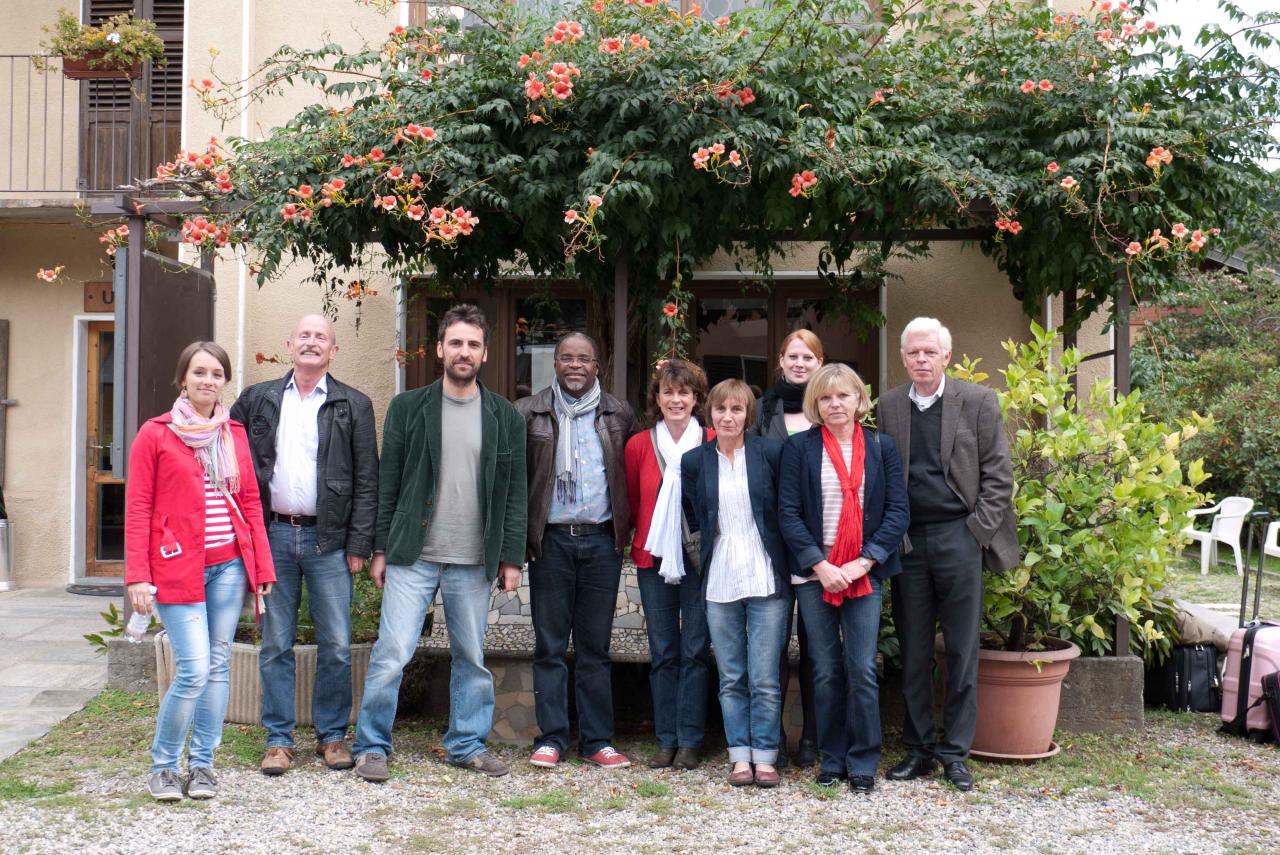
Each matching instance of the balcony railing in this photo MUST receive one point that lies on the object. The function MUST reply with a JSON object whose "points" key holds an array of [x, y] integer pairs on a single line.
{"points": [[66, 137]]}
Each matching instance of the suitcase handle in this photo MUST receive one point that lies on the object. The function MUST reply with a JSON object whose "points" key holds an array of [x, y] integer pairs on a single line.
{"points": [[1257, 519]]}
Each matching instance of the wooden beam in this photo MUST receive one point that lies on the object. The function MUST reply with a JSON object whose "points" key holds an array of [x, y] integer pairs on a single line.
{"points": [[5, 403], [621, 296]]}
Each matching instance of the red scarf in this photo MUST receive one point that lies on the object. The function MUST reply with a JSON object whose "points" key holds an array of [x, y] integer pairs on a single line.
{"points": [[848, 545]]}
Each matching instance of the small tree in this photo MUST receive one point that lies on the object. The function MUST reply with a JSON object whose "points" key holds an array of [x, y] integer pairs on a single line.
{"points": [[1101, 497]]}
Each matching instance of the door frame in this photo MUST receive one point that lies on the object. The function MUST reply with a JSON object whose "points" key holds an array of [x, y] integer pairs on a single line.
{"points": [[79, 439]]}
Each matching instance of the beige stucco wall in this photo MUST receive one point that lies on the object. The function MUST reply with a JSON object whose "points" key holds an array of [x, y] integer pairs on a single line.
{"points": [[41, 431]]}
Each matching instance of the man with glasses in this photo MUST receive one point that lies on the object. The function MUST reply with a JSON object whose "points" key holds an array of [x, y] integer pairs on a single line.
{"points": [[577, 529]]}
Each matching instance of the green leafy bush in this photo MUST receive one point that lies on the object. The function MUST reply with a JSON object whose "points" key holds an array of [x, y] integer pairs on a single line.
{"points": [[1216, 350], [1101, 495]]}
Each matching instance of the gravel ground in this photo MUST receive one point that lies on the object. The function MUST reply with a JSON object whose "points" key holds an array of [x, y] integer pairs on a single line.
{"points": [[431, 807]]}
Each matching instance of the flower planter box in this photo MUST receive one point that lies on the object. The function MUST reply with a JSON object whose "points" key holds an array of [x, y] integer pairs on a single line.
{"points": [[87, 68], [244, 705]]}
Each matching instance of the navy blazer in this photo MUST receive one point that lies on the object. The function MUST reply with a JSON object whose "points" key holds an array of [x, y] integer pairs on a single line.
{"points": [[700, 485], [885, 512]]}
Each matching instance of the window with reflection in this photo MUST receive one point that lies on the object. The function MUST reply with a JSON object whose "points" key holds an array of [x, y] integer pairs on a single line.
{"points": [[732, 339], [540, 322]]}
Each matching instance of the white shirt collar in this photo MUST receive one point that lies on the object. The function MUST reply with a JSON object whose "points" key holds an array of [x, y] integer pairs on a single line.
{"points": [[924, 402], [322, 387]]}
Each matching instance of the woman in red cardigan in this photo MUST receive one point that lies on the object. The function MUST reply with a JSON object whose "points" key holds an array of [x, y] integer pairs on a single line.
{"points": [[194, 536], [670, 586]]}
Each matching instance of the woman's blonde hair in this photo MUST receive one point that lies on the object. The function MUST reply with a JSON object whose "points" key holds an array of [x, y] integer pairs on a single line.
{"points": [[835, 375], [734, 389]]}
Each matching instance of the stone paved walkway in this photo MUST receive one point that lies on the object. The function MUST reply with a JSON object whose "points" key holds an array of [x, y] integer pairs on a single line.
{"points": [[47, 669]]}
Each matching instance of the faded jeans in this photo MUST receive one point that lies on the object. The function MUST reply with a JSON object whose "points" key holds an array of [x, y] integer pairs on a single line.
{"points": [[293, 549], [200, 635], [409, 590], [748, 636]]}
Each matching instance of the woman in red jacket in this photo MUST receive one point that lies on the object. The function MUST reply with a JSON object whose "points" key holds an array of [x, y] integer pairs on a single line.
{"points": [[194, 536], [670, 587]]}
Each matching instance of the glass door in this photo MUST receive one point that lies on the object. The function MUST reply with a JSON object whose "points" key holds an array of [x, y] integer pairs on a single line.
{"points": [[104, 494]]}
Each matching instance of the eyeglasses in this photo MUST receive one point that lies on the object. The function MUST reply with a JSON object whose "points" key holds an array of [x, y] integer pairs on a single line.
{"points": [[567, 361]]}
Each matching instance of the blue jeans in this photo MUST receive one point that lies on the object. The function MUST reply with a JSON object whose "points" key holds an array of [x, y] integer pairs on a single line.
{"points": [[842, 641], [200, 635], [293, 548], [679, 656], [573, 591], [748, 636], [408, 593]]}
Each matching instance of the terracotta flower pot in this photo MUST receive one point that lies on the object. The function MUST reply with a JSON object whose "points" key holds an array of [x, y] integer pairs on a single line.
{"points": [[88, 67], [1018, 701]]}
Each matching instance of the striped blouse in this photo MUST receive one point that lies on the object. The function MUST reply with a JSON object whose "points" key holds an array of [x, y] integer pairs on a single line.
{"points": [[217, 517], [833, 502]]}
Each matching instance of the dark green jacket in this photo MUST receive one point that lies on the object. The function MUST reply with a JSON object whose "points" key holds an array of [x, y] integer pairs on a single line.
{"points": [[409, 474]]}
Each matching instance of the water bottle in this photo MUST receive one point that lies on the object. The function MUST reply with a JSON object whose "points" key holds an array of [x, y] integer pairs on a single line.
{"points": [[136, 629]]}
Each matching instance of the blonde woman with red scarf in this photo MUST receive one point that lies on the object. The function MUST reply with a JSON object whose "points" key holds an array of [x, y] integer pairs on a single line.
{"points": [[842, 511], [194, 535]]}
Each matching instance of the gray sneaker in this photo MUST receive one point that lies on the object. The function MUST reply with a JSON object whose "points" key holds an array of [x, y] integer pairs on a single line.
{"points": [[201, 784], [373, 767], [166, 785], [484, 763]]}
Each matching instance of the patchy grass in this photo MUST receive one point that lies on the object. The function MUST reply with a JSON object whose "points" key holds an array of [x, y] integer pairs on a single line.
{"points": [[551, 801], [242, 745], [11, 788], [112, 734], [1156, 767], [652, 789], [1221, 585]]}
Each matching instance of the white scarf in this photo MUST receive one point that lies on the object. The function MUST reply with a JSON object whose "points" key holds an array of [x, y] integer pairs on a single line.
{"points": [[666, 539], [568, 410]]}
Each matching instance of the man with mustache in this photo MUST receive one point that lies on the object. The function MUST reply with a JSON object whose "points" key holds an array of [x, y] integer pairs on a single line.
{"points": [[451, 517], [315, 454], [578, 517]]}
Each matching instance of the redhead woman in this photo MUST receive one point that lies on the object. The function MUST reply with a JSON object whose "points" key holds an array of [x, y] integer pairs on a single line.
{"points": [[194, 533], [730, 488], [670, 586], [842, 509], [780, 415]]}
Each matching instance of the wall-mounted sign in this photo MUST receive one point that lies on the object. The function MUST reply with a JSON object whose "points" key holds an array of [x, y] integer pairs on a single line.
{"points": [[99, 297]]}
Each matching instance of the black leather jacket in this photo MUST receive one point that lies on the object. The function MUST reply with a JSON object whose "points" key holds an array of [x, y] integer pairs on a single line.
{"points": [[346, 460]]}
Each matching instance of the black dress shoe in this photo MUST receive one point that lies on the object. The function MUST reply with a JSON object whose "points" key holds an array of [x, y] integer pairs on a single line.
{"points": [[914, 766], [862, 784], [959, 776], [662, 758], [806, 753], [782, 761], [829, 779]]}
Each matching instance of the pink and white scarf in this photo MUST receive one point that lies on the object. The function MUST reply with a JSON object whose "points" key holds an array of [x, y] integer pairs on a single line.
{"points": [[211, 441]]}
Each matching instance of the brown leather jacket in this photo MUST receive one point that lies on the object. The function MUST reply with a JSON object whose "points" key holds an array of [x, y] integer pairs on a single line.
{"points": [[615, 423]]}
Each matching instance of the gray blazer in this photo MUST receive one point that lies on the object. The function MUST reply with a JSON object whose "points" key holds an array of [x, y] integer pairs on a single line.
{"points": [[975, 455]]}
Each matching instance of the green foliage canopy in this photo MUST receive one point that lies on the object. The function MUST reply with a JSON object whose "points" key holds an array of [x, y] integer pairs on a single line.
{"points": [[1082, 144]]}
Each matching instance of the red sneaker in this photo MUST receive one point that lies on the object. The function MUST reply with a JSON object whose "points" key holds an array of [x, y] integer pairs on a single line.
{"points": [[545, 756], [609, 758]]}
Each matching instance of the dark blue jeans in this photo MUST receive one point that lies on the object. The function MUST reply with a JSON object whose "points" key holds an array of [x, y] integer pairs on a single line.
{"points": [[679, 656], [293, 549], [842, 641], [573, 589]]}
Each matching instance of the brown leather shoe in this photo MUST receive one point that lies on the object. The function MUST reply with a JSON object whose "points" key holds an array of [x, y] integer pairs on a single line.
{"points": [[335, 755], [767, 778], [743, 778], [662, 758], [686, 759], [277, 761]]}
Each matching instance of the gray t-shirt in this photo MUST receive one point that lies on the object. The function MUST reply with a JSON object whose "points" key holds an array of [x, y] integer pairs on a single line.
{"points": [[455, 529]]}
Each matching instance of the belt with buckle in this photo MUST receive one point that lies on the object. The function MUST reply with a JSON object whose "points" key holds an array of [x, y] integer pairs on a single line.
{"points": [[295, 520], [583, 529]]}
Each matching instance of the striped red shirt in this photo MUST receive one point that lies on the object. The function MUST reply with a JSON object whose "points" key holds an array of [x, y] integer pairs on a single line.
{"points": [[217, 517]]}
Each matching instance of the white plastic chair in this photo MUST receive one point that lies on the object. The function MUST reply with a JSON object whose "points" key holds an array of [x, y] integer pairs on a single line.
{"points": [[1271, 546], [1225, 528]]}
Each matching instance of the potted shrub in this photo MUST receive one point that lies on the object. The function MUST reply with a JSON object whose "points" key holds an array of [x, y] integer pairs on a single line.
{"points": [[116, 49], [1101, 497], [244, 705]]}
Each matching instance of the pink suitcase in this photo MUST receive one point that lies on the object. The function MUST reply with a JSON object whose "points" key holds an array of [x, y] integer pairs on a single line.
{"points": [[1254, 652]]}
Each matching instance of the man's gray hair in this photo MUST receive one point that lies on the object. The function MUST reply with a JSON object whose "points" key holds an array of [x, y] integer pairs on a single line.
{"points": [[925, 326]]}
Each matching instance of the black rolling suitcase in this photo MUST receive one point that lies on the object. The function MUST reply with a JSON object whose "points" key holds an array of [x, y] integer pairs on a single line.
{"points": [[1188, 681]]}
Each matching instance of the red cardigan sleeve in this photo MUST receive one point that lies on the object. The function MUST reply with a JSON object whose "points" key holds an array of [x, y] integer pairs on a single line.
{"points": [[140, 491]]}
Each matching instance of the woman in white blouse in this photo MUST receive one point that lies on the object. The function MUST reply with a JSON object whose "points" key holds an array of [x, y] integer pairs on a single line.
{"points": [[730, 493]]}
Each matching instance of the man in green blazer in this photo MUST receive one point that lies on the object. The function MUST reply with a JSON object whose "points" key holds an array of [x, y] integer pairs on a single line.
{"points": [[452, 517]]}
